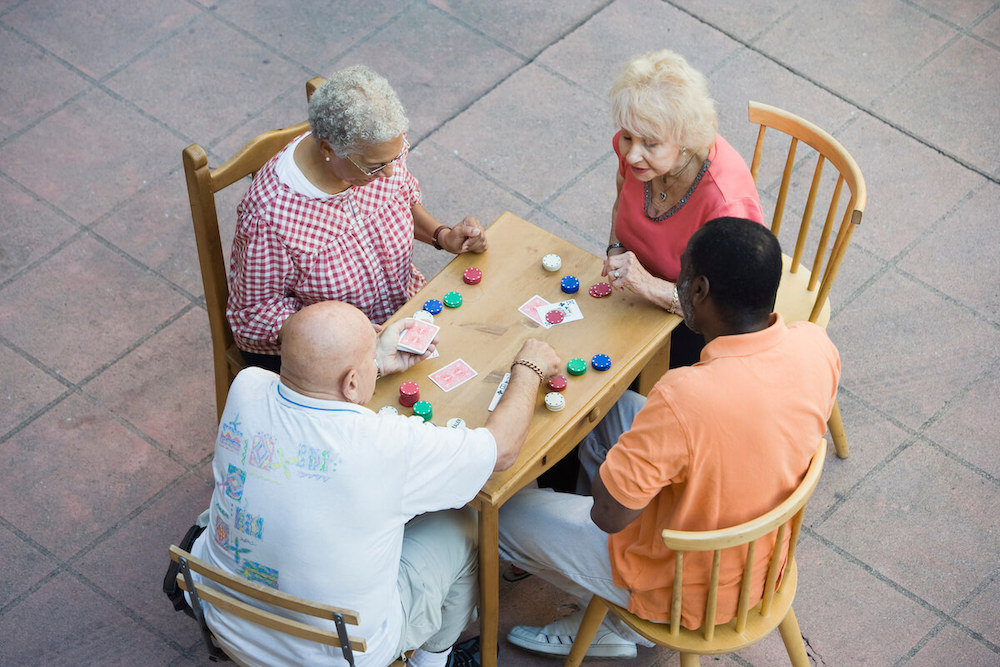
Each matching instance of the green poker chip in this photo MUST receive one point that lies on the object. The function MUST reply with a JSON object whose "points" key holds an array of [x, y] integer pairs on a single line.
{"points": [[423, 409], [576, 366], [453, 299]]}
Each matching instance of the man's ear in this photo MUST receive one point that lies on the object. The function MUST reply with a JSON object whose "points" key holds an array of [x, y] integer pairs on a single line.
{"points": [[699, 290], [349, 387]]}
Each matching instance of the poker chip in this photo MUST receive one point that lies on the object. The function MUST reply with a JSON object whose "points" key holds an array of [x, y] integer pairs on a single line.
{"points": [[570, 284], [453, 299], [601, 362], [472, 276], [576, 366], [552, 262], [456, 422], [388, 410], [600, 290], [558, 382], [423, 316], [432, 306], [555, 401], [409, 393], [555, 316], [423, 409]]}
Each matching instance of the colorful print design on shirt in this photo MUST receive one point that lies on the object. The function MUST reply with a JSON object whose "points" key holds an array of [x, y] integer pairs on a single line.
{"points": [[230, 435], [248, 524], [315, 463], [235, 479], [221, 533], [259, 573], [264, 452]]}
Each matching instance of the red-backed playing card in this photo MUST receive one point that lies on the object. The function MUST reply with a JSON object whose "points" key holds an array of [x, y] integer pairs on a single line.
{"points": [[416, 338], [452, 375]]}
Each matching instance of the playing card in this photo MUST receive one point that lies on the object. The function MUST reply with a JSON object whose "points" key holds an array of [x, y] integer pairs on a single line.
{"points": [[452, 375], [569, 309], [416, 338], [530, 308]]}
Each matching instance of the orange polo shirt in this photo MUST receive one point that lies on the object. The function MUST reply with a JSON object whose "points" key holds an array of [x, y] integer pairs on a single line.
{"points": [[715, 445]]}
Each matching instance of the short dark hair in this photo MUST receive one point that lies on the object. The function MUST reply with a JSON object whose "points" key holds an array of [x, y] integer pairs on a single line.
{"points": [[742, 261]]}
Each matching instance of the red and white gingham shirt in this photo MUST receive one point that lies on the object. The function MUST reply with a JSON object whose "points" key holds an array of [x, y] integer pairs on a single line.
{"points": [[290, 251]]}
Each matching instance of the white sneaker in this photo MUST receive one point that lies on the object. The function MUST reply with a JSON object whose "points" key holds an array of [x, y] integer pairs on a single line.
{"points": [[557, 637]]}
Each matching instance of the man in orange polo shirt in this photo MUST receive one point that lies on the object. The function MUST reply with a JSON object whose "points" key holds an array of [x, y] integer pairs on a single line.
{"points": [[714, 445]]}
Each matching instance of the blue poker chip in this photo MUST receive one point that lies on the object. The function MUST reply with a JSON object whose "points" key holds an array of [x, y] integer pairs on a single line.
{"points": [[570, 284], [433, 306], [601, 362]]}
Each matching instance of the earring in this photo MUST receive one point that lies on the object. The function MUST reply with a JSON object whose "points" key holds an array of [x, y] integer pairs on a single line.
{"points": [[327, 158]]}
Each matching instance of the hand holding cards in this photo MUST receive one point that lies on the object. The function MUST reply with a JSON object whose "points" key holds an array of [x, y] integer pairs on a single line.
{"points": [[418, 337]]}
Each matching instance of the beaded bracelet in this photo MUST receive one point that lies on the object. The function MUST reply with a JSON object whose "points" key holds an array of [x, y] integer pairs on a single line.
{"points": [[532, 366]]}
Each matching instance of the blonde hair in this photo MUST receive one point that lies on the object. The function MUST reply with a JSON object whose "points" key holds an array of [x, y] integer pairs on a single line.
{"points": [[658, 95]]}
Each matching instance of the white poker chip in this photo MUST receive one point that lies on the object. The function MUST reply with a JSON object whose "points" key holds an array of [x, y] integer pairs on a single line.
{"points": [[555, 401], [423, 316], [456, 422], [552, 262], [388, 410]]}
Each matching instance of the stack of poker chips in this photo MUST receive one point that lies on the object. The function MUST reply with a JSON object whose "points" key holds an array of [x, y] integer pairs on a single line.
{"points": [[409, 394]]}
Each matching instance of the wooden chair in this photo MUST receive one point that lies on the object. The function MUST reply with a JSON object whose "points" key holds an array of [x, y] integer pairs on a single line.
{"points": [[805, 290], [751, 624], [223, 600], [203, 183]]}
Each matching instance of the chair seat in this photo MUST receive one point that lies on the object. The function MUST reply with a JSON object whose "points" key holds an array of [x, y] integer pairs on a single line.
{"points": [[795, 300], [726, 639]]}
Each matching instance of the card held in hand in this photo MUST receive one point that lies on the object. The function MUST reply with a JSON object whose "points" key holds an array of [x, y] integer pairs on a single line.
{"points": [[418, 337]]}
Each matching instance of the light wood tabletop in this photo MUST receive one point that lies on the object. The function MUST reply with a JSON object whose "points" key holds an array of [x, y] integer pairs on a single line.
{"points": [[487, 331]]}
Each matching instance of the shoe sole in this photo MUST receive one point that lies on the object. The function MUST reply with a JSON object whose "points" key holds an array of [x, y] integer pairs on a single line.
{"points": [[562, 650]]}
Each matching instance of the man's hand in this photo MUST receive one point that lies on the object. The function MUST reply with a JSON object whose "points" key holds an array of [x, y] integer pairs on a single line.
{"points": [[541, 354], [392, 360], [466, 236]]}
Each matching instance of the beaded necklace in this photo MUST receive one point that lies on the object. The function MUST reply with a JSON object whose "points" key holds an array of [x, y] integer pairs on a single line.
{"points": [[676, 207]]}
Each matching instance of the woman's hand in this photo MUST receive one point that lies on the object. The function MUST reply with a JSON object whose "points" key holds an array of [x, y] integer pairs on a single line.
{"points": [[625, 272], [466, 236]]}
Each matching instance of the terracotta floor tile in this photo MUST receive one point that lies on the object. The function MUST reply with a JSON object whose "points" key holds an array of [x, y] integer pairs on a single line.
{"points": [[960, 255], [106, 303], [166, 388], [586, 204], [28, 230], [154, 227], [311, 33], [137, 554], [969, 426], [956, 122], [923, 367], [199, 101], [989, 28], [42, 82], [620, 37], [24, 566], [407, 52], [883, 44], [980, 614], [122, 28], [524, 25], [27, 389], [529, 133], [952, 646], [908, 519], [960, 13], [98, 134], [64, 490], [746, 19], [49, 629]]}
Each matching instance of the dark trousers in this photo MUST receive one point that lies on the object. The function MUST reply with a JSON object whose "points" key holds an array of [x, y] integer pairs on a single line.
{"points": [[271, 362]]}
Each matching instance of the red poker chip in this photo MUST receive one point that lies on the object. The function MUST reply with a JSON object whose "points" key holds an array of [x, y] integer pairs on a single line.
{"points": [[557, 383], [555, 316], [600, 290], [472, 276]]}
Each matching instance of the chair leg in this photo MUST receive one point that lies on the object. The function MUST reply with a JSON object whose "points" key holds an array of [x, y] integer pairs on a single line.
{"points": [[596, 611], [836, 425], [792, 636], [690, 660]]}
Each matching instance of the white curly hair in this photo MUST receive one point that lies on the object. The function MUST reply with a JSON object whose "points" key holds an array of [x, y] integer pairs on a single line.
{"points": [[356, 108]]}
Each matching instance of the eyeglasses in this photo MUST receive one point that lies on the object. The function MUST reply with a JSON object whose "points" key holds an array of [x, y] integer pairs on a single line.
{"points": [[369, 173]]}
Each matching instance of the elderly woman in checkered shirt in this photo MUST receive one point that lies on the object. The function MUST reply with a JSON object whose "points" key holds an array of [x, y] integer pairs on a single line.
{"points": [[333, 216]]}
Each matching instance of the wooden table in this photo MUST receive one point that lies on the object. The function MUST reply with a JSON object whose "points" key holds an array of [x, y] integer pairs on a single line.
{"points": [[487, 331]]}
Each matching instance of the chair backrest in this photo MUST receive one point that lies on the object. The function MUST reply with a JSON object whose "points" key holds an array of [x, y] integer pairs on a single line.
{"points": [[220, 597], [784, 519], [826, 262], [203, 183]]}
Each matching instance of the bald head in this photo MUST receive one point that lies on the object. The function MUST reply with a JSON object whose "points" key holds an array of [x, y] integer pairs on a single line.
{"points": [[328, 352]]}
